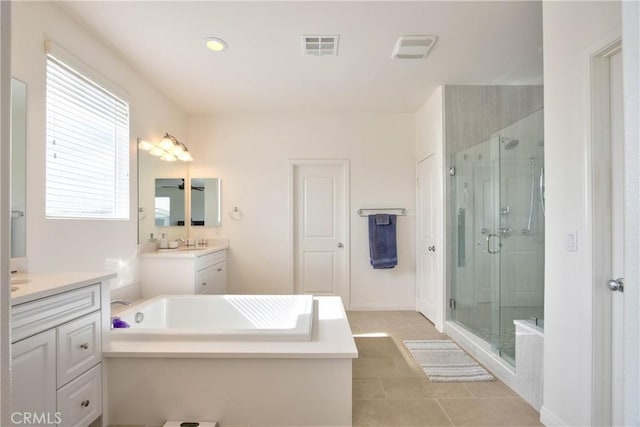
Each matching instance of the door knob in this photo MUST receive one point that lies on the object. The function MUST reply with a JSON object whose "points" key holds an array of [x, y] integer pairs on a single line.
{"points": [[340, 245], [616, 284]]}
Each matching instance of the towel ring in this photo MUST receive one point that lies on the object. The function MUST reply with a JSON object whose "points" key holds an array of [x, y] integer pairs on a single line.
{"points": [[235, 213]]}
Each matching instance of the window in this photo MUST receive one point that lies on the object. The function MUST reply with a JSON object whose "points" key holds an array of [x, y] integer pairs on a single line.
{"points": [[87, 138]]}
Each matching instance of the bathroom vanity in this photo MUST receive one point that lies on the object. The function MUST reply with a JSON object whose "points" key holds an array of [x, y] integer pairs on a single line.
{"points": [[185, 270], [57, 326]]}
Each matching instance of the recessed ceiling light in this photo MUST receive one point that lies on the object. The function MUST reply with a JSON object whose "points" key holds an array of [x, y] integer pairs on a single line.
{"points": [[215, 44]]}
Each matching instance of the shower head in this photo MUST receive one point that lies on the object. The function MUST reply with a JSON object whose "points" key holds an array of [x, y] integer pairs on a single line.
{"points": [[509, 143]]}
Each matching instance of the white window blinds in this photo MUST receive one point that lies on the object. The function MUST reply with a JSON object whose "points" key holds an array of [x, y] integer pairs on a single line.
{"points": [[87, 133]]}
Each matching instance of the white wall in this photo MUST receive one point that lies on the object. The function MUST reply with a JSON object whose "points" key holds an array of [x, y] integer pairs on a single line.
{"points": [[430, 140], [54, 245], [571, 31], [251, 154]]}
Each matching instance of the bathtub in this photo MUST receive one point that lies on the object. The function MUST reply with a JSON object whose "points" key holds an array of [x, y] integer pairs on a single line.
{"points": [[219, 318], [239, 382]]}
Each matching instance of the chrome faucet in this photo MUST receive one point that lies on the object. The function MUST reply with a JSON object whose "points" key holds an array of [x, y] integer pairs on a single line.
{"points": [[121, 302]]}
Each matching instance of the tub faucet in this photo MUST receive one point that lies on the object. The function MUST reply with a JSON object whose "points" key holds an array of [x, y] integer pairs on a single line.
{"points": [[121, 302]]}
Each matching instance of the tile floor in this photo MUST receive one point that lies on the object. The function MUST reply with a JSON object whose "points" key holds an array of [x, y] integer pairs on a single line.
{"points": [[390, 389]]}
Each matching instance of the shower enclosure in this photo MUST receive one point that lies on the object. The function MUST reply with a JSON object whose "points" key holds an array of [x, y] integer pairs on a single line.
{"points": [[498, 233]]}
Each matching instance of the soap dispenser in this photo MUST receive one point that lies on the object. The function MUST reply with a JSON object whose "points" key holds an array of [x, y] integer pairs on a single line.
{"points": [[164, 243]]}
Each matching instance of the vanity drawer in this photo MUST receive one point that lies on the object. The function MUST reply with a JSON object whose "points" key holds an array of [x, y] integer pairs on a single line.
{"points": [[80, 401], [208, 260], [79, 347], [36, 316]]}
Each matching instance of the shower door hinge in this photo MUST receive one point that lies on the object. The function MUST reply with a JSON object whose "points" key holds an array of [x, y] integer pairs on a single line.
{"points": [[452, 171], [452, 304]]}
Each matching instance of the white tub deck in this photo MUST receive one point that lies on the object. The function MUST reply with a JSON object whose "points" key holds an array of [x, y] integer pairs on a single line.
{"points": [[237, 383]]}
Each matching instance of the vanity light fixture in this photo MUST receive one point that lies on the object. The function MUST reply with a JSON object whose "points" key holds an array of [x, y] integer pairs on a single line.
{"points": [[168, 149], [215, 44]]}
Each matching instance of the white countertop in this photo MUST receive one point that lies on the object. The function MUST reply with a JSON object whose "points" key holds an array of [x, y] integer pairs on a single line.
{"points": [[331, 338], [40, 285], [184, 252]]}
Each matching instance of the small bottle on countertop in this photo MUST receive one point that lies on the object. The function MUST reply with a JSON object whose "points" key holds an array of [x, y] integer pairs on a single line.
{"points": [[164, 243]]}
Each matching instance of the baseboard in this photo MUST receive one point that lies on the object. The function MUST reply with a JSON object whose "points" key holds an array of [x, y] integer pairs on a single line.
{"points": [[382, 307], [549, 419]]}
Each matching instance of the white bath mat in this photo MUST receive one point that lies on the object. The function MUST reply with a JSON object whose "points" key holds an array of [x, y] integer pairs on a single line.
{"points": [[444, 361]]}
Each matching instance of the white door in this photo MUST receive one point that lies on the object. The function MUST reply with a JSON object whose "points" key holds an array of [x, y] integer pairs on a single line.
{"points": [[426, 248], [617, 236], [320, 228]]}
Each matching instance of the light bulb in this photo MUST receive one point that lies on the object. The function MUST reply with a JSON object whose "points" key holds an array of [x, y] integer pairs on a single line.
{"points": [[168, 157], [145, 145], [157, 151], [177, 150], [185, 157], [166, 143]]}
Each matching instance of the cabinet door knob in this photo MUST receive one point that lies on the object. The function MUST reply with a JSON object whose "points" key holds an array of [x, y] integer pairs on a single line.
{"points": [[84, 346], [204, 283], [219, 269], [85, 403]]}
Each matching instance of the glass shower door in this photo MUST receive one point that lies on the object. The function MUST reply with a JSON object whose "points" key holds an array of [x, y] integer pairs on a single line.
{"points": [[477, 243]]}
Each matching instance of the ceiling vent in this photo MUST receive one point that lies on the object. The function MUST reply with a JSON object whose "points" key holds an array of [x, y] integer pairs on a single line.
{"points": [[320, 45], [413, 47]]}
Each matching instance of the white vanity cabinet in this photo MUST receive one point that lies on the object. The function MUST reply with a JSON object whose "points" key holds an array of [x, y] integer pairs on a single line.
{"points": [[56, 353], [202, 271], [33, 370]]}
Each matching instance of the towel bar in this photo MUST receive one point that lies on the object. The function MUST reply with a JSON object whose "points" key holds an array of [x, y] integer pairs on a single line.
{"points": [[372, 211]]}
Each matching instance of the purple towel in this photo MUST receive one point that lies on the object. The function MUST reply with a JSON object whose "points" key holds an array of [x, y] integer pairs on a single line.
{"points": [[118, 323]]}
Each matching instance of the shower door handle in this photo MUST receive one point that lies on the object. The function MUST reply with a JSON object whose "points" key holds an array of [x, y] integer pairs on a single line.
{"points": [[489, 244]]}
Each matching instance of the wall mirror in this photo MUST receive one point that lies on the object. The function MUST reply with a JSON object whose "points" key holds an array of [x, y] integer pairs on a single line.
{"points": [[18, 168], [151, 170], [169, 202], [205, 202]]}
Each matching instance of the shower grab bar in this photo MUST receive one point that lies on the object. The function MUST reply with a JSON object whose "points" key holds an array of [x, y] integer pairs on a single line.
{"points": [[489, 244], [371, 211]]}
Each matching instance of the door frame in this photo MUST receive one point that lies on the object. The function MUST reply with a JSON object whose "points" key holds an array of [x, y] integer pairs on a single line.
{"points": [[631, 83], [5, 203], [598, 199], [293, 163]]}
